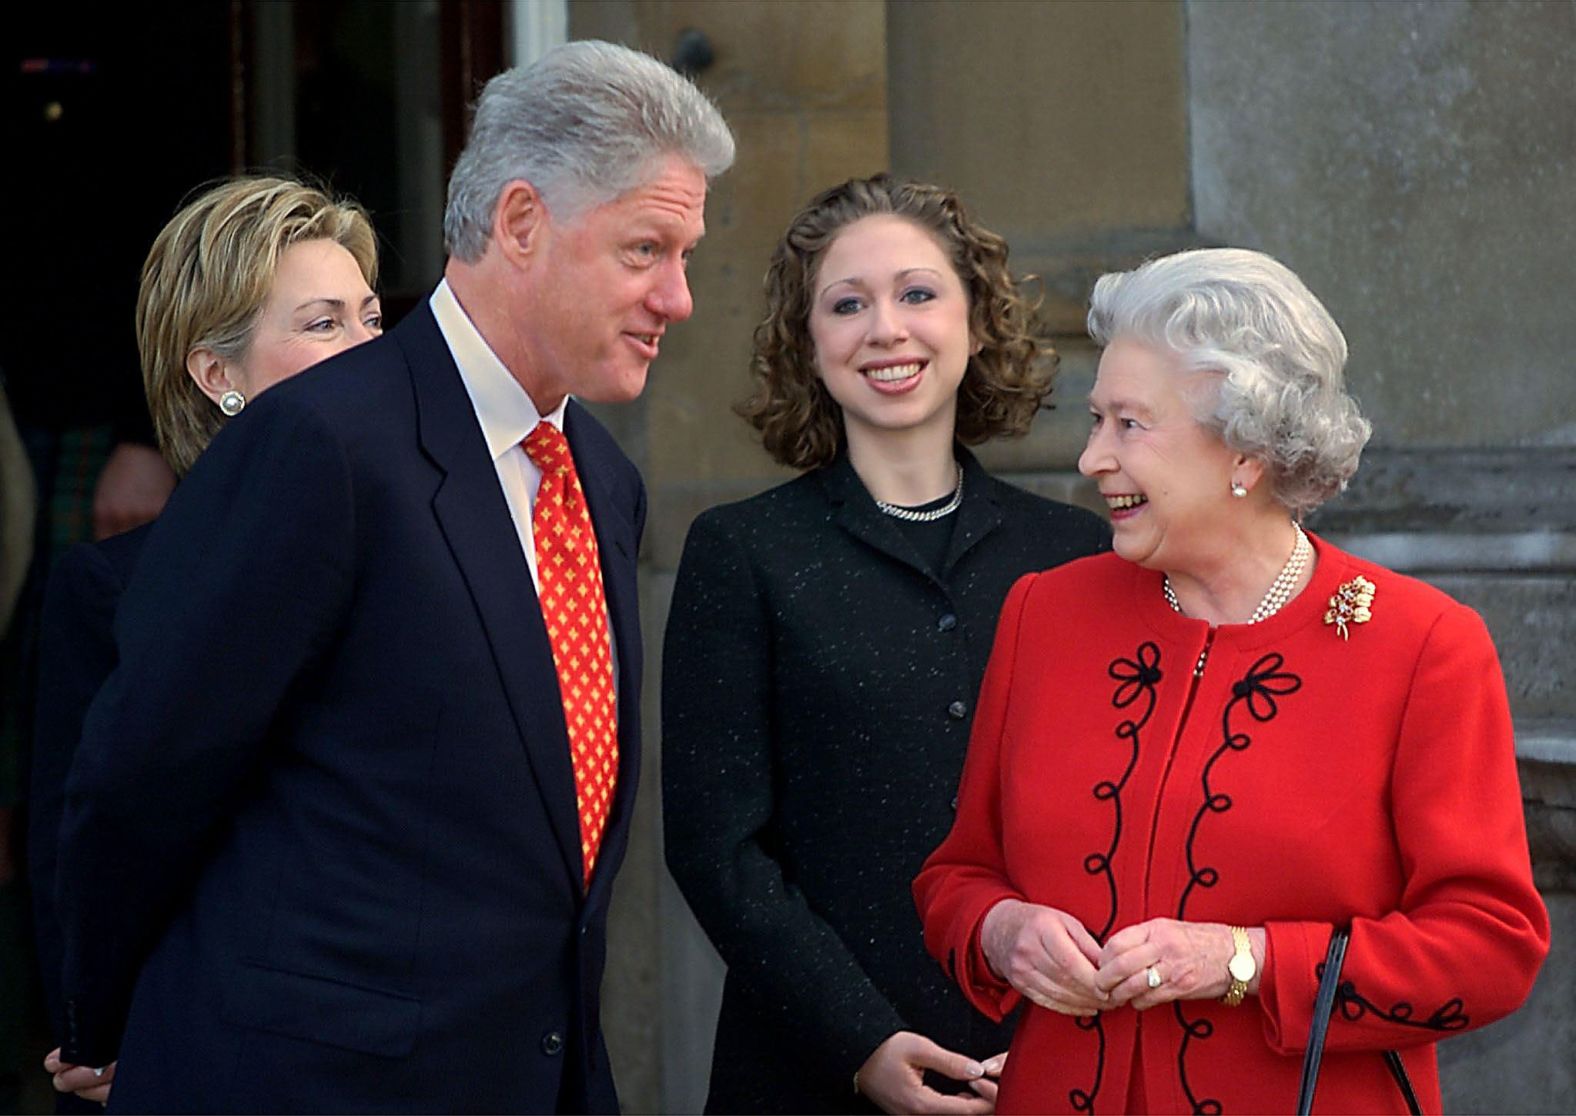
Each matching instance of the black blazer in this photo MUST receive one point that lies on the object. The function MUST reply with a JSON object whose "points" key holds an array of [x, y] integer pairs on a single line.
{"points": [[818, 686], [76, 652], [322, 816]]}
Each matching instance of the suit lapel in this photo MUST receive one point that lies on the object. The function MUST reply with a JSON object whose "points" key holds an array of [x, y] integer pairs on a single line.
{"points": [[857, 514], [474, 519], [979, 514]]}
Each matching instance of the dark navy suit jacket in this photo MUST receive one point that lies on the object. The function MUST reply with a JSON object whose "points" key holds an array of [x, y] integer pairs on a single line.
{"points": [[320, 849], [76, 652]]}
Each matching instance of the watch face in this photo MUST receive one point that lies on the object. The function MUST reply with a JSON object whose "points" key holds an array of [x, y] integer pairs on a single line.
{"points": [[1241, 967]]}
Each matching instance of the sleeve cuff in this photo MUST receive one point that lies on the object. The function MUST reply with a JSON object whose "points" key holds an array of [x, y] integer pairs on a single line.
{"points": [[1293, 952]]}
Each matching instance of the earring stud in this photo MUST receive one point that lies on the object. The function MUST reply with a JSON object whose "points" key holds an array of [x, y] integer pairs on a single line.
{"points": [[1238, 490], [232, 402]]}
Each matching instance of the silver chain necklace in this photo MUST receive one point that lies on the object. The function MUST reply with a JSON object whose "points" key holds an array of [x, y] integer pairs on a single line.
{"points": [[911, 516], [1280, 589]]}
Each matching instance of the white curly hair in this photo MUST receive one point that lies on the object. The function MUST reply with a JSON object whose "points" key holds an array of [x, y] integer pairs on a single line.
{"points": [[1281, 358]]}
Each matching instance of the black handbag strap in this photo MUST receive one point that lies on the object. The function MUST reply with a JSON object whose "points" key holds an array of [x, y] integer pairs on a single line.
{"points": [[1323, 1005], [1403, 1081], [1323, 1008]]}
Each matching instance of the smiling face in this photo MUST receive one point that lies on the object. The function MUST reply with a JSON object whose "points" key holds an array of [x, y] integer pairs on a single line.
{"points": [[319, 305], [1165, 476], [889, 319], [613, 278]]}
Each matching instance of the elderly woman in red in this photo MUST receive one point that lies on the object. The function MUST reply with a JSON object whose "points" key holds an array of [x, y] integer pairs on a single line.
{"points": [[1254, 739]]}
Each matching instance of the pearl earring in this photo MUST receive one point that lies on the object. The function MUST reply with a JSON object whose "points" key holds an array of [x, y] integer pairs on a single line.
{"points": [[232, 402], [1238, 490]]}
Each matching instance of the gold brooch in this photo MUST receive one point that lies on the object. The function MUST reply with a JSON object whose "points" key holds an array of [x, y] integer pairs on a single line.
{"points": [[1351, 604]]}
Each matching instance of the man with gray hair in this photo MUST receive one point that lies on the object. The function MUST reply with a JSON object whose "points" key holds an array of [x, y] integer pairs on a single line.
{"points": [[343, 824]]}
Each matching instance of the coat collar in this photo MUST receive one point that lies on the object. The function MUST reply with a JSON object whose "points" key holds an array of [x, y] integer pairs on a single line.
{"points": [[856, 513]]}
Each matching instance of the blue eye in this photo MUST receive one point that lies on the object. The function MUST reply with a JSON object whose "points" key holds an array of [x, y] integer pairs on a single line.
{"points": [[845, 306], [916, 295]]}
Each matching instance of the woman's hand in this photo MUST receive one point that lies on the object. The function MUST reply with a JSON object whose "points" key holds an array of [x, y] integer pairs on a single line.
{"points": [[893, 1077], [86, 1082], [1046, 954], [1189, 959]]}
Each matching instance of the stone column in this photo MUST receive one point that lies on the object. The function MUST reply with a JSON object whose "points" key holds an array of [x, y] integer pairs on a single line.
{"points": [[803, 83], [1414, 163]]}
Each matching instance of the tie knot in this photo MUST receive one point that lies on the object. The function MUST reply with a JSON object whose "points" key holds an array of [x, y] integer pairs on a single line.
{"points": [[547, 447]]}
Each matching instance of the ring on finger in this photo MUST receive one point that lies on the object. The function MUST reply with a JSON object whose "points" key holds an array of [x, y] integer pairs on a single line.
{"points": [[1153, 978]]}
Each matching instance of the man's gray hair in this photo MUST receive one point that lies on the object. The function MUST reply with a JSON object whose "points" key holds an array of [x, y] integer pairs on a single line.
{"points": [[582, 124], [1281, 397]]}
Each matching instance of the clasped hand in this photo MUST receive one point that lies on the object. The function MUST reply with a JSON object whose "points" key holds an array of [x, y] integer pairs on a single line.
{"points": [[1049, 957], [88, 1083]]}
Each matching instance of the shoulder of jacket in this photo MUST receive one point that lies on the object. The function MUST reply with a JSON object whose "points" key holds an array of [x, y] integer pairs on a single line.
{"points": [[1418, 599], [792, 503]]}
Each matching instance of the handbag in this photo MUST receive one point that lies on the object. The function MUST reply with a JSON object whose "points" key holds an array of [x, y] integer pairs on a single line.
{"points": [[1323, 1008]]}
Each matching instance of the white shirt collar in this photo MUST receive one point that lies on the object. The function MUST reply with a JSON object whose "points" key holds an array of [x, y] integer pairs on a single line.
{"points": [[504, 410]]}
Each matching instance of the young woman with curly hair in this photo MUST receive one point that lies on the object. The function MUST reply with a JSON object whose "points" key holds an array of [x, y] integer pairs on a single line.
{"points": [[826, 642]]}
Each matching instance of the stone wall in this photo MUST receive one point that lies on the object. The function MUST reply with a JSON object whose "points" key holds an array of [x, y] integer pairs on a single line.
{"points": [[1413, 161]]}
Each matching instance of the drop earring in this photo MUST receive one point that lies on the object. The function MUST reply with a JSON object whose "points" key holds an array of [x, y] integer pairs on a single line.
{"points": [[232, 402]]}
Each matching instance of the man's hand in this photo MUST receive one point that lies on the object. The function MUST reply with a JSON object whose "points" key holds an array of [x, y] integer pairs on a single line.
{"points": [[1046, 954], [86, 1082], [131, 490], [893, 1077]]}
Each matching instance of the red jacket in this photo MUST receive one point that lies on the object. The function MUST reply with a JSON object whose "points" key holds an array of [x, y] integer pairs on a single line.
{"points": [[1301, 781]]}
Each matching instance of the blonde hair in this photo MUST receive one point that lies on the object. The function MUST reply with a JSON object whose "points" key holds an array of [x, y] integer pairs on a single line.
{"points": [[205, 282]]}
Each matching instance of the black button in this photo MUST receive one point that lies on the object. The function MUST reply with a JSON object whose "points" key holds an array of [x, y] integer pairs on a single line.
{"points": [[552, 1043], [958, 710], [954, 803], [584, 930], [946, 623]]}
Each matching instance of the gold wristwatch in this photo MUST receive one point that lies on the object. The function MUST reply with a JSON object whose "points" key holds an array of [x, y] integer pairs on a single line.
{"points": [[1242, 967]]}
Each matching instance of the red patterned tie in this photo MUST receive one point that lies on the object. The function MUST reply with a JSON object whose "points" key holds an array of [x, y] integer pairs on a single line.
{"points": [[574, 607]]}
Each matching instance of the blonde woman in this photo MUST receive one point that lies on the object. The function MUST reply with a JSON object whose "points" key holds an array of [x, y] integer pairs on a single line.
{"points": [[250, 283]]}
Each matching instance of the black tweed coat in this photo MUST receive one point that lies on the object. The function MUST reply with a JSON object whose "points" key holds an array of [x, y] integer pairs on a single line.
{"points": [[818, 686]]}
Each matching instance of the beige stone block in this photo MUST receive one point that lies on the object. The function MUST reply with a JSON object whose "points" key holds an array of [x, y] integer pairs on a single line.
{"points": [[1052, 119], [785, 54]]}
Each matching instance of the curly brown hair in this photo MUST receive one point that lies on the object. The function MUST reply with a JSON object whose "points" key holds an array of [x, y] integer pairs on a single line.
{"points": [[1005, 383]]}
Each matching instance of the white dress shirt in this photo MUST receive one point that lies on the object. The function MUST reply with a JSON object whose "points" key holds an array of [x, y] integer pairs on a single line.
{"points": [[505, 412], [506, 415]]}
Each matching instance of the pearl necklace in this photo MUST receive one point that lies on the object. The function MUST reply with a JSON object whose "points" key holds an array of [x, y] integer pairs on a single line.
{"points": [[912, 516], [1280, 589]]}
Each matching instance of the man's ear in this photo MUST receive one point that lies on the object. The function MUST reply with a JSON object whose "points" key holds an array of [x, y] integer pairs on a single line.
{"points": [[210, 372], [519, 220]]}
